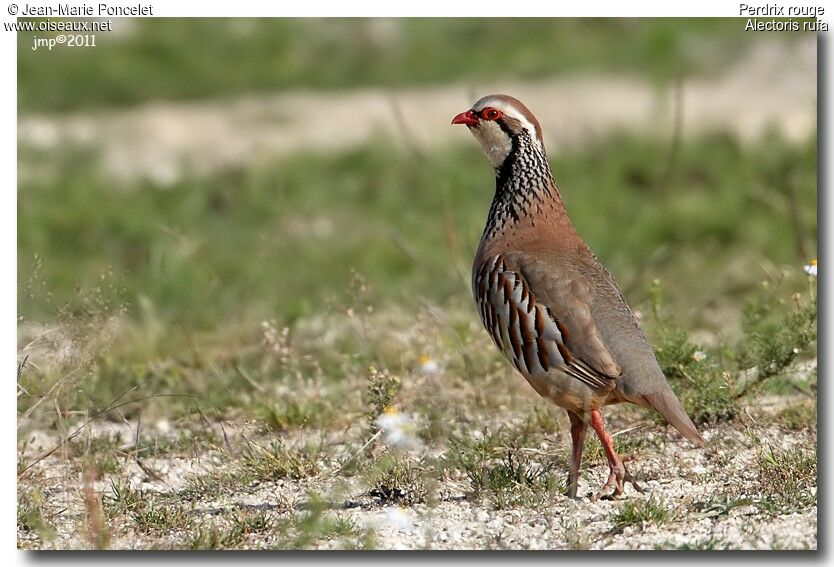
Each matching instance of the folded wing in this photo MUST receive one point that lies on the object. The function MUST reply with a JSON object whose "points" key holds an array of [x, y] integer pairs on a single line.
{"points": [[541, 329]]}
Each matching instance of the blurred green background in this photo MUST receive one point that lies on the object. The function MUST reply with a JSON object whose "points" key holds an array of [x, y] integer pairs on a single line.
{"points": [[705, 217], [174, 59]]}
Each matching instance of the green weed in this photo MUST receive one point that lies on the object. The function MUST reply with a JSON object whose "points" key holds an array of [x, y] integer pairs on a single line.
{"points": [[30, 514], [799, 416], [498, 468], [712, 543], [382, 387], [787, 479], [279, 462], [711, 381], [305, 529], [400, 481], [638, 512], [148, 511]]}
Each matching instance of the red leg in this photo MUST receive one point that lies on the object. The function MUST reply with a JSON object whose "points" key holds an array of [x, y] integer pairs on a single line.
{"points": [[577, 436], [619, 475]]}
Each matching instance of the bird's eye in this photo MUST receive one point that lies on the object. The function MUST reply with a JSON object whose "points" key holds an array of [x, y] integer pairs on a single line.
{"points": [[491, 114]]}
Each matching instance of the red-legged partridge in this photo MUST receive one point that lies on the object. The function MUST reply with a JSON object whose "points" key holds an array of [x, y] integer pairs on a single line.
{"points": [[551, 307]]}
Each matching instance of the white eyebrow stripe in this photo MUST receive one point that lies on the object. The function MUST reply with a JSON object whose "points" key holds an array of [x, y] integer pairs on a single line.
{"points": [[511, 111], [524, 122]]}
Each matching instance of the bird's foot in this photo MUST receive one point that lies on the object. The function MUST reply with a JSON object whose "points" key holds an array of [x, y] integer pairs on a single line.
{"points": [[617, 478], [571, 491]]}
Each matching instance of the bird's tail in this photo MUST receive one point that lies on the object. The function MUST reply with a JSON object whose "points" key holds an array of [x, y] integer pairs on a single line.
{"points": [[672, 410]]}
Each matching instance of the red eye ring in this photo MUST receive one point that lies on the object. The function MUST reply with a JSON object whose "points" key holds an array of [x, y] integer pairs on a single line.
{"points": [[490, 113]]}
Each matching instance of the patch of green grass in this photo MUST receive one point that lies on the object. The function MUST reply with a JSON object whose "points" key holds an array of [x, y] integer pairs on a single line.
{"points": [[500, 469], [190, 436], [279, 462], [252, 522], [400, 481], [787, 479], [712, 543], [209, 485], [706, 390], [799, 416], [123, 500], [639, 512], [774, 339], [98, 455], [721, 504], [162, 517], [232, 536], [30, 514], [293, 414], [212, 537], [316, 524], [697, 374], [711, 381], [147, 510], [540, 421], [185, 271], [166, 57]]}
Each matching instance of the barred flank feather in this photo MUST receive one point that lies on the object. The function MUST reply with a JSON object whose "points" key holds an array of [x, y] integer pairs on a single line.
{"points": [[526, 331]]}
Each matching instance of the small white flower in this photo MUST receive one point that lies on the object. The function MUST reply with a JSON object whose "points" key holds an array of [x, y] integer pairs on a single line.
{"points": [[811, 268], [397, 519], [399, 430], [699, 355], [428, 365]]}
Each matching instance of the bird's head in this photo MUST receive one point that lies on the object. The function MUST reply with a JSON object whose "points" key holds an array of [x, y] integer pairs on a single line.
{"points": [[497, 122]]}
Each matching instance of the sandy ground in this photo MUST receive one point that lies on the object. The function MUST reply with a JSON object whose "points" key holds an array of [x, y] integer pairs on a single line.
{"points": [[773, 86], [693, 484]]}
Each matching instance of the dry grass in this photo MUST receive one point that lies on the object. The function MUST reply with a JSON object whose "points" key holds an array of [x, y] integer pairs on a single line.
{"points": [[235, 400]]}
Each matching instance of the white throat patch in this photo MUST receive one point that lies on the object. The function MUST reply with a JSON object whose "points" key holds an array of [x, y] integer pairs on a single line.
{"points": [[495, 142]]}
